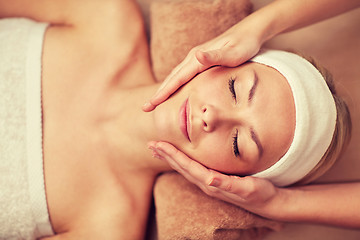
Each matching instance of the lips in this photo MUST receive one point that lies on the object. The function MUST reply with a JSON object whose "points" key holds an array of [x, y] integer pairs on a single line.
{"points": [[184, 119]]}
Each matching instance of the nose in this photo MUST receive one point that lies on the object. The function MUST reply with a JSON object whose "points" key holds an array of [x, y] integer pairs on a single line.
{"points": [[213, 117]]}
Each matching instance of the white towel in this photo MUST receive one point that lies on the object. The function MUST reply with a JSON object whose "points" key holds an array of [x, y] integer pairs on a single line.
{"points": [[23, 207]]}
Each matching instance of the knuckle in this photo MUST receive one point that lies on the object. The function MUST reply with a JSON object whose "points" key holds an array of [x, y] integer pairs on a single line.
{"points": [[251, 186], [192, 164], [187, 165], [199, 68], [211, 191], [228, 187], [194, 50], [216, 55], [251, 190], [204, 189], [227, 183]]}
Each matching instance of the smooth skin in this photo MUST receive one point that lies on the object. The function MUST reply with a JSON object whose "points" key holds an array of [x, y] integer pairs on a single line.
{"points": [[96, 74], [244, 39], [332, 204], [96, 188]]}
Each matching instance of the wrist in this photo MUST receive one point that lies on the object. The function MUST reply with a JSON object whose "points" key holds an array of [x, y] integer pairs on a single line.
{"points": [[283, 206], [258, 27], [272, 20]]}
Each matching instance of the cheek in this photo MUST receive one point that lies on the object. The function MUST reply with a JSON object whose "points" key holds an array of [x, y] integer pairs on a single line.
{"points": [[209, 84], [163, 120], [213, 92], [166, 120], [213, 154]]}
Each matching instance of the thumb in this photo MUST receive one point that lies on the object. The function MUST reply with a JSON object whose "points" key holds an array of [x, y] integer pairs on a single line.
{"points": [[223, 56]]}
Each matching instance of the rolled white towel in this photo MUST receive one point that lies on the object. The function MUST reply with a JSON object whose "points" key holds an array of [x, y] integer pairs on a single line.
{"points": [[23, 206]]}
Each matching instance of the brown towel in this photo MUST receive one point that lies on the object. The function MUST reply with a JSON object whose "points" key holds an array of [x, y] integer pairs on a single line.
{"points": [[183, 211], [179, 25]]}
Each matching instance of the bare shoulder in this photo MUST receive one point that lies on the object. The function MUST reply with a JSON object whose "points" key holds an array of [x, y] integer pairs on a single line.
{"points": [[68, 12], [103, 23], [101, 39]]}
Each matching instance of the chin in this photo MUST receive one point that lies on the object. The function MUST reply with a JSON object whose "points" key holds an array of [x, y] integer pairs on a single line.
{"points": [[164, 124]]}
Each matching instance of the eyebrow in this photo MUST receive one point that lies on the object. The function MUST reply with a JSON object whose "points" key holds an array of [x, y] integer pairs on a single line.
{"points": [[256, 139], [253, 88], [254, 136]]}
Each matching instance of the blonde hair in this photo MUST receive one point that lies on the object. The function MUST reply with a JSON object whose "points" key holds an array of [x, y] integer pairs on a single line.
{"points": [[342, 133]]}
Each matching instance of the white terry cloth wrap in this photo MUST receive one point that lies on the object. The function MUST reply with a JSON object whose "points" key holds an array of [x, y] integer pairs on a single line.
{"points": [[23, 206], [34, 132], [315, 117]]}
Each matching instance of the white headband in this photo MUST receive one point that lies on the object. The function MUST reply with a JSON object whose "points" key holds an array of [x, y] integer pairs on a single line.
{"points": [[315, 117]]}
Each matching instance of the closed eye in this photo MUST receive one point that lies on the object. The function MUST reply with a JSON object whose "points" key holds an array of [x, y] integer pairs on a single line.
{"points": [[232, 88], [235, 144]]}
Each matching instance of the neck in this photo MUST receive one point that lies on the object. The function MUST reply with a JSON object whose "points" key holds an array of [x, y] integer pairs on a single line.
{"points": [[129, 131]]}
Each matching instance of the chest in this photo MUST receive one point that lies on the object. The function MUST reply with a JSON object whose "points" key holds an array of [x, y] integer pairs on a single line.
{"points": [[101, 205]]}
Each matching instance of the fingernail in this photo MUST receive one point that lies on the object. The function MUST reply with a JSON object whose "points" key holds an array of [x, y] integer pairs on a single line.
{"points": [[153, 151], [147, 105], [214, 182], [157, 155], [205, 54], [159, 150]]}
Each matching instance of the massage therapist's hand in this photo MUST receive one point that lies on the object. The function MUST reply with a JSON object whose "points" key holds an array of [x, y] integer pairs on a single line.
{"points": [[254, 194], [244, 39], [232, 48], [310, 203]]}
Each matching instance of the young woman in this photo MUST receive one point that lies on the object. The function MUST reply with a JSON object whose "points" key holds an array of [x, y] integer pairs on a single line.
{"points": [[79, 84], [233, 47]]}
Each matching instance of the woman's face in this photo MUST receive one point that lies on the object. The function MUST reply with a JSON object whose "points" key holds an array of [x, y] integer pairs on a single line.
{"points": [[235, 120]]}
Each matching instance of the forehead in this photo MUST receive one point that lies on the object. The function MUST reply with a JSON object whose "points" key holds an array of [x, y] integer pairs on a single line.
{"points": [[275, 110]]}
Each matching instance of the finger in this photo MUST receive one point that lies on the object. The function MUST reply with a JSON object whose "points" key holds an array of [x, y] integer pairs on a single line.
{"points": [[209, 58], [171, 75], [174, 72], [193, 171], [190, 176], [182, 75], [226, 56], [246, 190], [180, 170], [228, 185], [233, 187], [230, 189], [149, 106], [185, 165]]}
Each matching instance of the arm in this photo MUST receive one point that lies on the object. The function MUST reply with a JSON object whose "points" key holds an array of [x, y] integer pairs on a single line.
{"points": [[332, 204], [286, 15], [243, 40], [98, 18]]}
